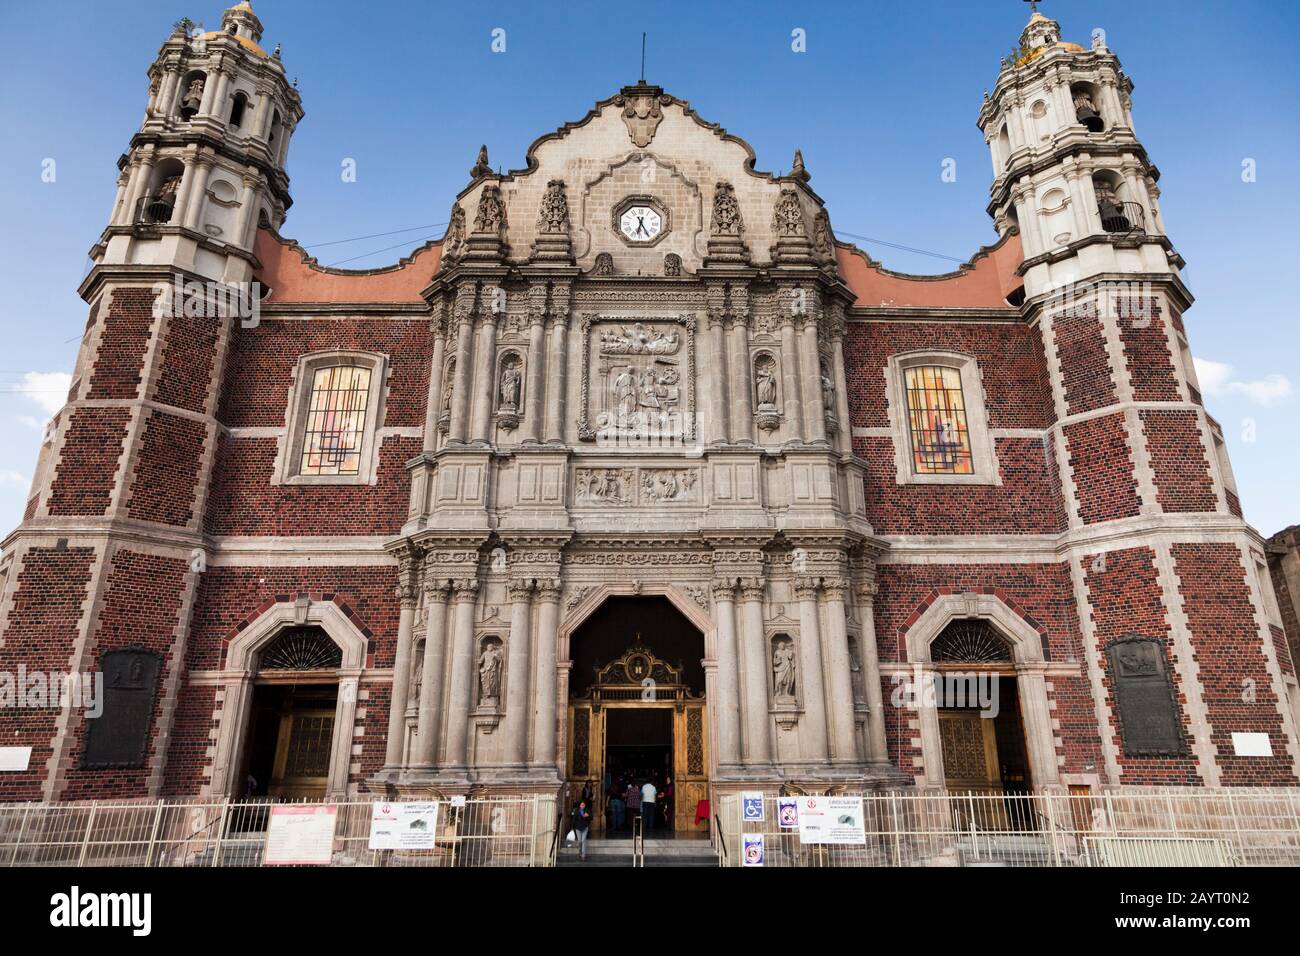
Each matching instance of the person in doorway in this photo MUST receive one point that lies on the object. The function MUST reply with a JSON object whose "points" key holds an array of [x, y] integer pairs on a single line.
{"points": [[617, 809], [648, 806], [589, 793], [581, 825], [632, 799], [667, 801]]}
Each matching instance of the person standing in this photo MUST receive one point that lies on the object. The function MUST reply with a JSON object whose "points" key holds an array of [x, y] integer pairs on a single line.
{"points": [[632, 798], [648, 795], [581, 825], [617, 809]]}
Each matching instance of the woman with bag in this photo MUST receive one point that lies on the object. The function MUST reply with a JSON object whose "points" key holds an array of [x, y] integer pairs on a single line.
{"points": [[581, 823]]}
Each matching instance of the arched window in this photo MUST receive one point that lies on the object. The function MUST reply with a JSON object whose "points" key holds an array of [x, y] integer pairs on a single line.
{"points": [[334, 414], [940, 425], [301, 649], [237, 108], [970, 641]]}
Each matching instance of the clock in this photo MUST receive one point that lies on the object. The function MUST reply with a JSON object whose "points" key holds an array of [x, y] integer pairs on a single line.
{"points": [[640, 224]]}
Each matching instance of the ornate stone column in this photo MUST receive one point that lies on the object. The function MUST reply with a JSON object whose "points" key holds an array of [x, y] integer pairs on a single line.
{"points": [[536, 362], [727, 711], [517, 675], [790, 374], [545, 724], [433, 407], [845, 437], [429, 723], [463, 672], [717, 367], [844, 748], [408, 596], [555, 378], [758, 729], [742, 403], [458, 428], [877, 749], [812, 725], [811, 373], [194, 200], [485, 384]]}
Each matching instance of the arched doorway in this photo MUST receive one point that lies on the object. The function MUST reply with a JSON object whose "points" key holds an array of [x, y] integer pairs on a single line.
{"points": [[637, 708]]}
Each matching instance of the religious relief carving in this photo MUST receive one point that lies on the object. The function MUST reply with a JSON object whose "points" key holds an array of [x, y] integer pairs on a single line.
{"points": [[672, 265], [642, 113], [576, 597], [699, 594], [640, 383], [726, 219], [453, 243], [604, 265], [491, 216], [604, 484], [668, 484]]}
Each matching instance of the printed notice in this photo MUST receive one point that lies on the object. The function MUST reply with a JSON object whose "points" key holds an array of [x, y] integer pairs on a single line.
{"points": [[404, 826], [300, 835]]}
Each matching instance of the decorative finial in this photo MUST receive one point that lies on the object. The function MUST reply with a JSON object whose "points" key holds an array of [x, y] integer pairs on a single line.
{"points": [[798, 171], [481, 167], [276, 52]]}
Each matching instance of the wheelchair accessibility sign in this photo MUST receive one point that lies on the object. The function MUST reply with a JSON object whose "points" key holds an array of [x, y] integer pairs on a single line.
{"points": [[751, 807]]}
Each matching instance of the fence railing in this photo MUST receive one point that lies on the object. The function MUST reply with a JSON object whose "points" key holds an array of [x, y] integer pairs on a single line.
{"points": [[1147, 827], [491, 831]]}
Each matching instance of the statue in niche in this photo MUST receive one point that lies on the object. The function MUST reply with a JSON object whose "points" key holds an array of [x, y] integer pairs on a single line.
{"points": [[726, 211], [828, 390], [193, 98], [417, 676], [489, 673], [448, 384], [511, 382], [783, 669], [765, 384]]}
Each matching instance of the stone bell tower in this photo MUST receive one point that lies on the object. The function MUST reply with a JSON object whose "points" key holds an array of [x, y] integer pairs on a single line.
{"points": [[207, 165], [113, 525], [1142, 463]]}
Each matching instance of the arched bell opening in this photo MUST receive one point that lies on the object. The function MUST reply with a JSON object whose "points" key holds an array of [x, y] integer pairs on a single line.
{"points": [[1085, 100], [159, 204]]}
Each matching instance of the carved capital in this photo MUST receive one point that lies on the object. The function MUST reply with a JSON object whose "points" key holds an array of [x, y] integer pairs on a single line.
{"points": [[752, 589], [548, 589], [724, 589], [805, 588], [464, 589], [519, 589]]}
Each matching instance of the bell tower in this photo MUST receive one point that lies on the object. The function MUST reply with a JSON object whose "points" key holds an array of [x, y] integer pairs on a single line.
{"points": [[206, 167], [1143, 467]]}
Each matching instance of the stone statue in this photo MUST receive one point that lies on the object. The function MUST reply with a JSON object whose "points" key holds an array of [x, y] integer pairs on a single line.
{"points": [[489, 674], [726, 211], [783, 669], [828, 391], [822, 234], [766, 386], [554, 214], [455, 237], [510, 384], [448, 384]]}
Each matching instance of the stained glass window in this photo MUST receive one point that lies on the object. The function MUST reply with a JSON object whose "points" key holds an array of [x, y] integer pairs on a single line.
{"points": [[336, 421], [936, 412]]}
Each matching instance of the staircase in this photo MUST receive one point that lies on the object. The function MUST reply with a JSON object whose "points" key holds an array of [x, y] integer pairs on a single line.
{"points": [[658, 852]]}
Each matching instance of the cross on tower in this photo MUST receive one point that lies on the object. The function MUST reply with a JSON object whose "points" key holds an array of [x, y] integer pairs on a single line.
{"points": [[1033, 6]]}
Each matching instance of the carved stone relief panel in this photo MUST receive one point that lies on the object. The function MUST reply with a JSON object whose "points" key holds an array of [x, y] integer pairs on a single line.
{"points": [[638, 378]]}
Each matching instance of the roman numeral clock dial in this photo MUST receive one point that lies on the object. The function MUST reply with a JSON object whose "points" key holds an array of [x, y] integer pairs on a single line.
{"points": [[641, 224]]}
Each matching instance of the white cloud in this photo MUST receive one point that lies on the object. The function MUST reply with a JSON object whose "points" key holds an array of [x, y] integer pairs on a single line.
{"points": [[35, 424], [10, 477], [1216, 379], [47, 389]]}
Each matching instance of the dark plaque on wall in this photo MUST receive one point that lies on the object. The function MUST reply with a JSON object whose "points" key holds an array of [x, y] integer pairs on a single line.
{"points": [[1145, 702], [119, 737]]}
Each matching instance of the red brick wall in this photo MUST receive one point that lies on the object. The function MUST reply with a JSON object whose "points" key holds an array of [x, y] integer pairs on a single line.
{"points": [[1235, 683], [92, 445], [1039, 593], [1028, 500], [1085, 366], [1281, 649], [255, 390], [1143, 333], [244, 501], [1182, 473], [1010, 358], [118, 364], [50, 591], [186, 362], [1125, 597], [167, 469], [141, 608], [1103, 469]]}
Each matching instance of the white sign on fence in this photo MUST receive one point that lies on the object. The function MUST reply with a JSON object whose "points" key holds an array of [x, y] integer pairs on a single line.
{"points": [[403, 826], [753, 855], [300, 835], [831, 820], [15, 758]]}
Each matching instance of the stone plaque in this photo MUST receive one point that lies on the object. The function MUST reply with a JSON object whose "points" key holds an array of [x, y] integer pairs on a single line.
{"points": [[1146, 705], [638, 379], [119, 737]]}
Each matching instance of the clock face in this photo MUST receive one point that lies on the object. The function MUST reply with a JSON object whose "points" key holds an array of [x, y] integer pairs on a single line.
{"points": [[641, 223]]}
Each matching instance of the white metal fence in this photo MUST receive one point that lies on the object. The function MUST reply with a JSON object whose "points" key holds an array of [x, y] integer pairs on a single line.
{"points": [[1138, 827], [495, 831]]}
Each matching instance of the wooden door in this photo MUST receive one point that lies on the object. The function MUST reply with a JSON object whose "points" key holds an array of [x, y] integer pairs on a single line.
{"points": [[302, 755]]}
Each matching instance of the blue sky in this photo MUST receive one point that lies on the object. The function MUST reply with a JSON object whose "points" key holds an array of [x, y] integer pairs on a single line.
{"points": [[883, 95]]}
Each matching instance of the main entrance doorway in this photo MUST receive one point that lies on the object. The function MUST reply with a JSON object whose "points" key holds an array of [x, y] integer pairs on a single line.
{"points": [[637, 711]]}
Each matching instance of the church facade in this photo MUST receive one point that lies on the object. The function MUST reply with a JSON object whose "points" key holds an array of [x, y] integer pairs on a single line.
{"points": [[638, 469]]}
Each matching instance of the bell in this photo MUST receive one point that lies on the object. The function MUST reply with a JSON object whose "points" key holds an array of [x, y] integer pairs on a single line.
{"points": [[1089, 118]]}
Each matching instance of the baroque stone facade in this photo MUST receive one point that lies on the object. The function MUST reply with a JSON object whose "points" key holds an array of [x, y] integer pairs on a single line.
{"points": [[642, 369]]}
